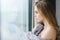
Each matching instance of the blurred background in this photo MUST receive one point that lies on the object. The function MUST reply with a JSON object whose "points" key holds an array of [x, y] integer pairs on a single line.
{"points": [[17, 16]]}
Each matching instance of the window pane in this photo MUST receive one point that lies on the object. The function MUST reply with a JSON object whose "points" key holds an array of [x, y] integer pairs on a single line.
{"points": [[14, 18]]}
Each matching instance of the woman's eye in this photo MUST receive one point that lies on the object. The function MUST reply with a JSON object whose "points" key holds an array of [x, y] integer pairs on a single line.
{"points": [[36, 12]]}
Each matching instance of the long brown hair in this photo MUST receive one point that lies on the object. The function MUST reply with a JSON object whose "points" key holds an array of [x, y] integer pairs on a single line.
{"points": [[48, 9]]}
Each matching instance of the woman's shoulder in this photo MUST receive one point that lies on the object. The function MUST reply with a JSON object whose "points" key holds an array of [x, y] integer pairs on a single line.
{"points": [[49, 33]]}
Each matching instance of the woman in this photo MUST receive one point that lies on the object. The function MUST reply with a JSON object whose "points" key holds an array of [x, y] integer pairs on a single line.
{"points": [[47, 27], [45, 13]]}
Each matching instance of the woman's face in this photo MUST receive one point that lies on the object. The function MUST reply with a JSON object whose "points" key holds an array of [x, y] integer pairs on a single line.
{"points": [[38, 16]]}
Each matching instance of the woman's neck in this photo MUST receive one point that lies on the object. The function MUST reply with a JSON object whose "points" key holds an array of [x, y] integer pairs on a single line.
{"points": [[46, 24]]}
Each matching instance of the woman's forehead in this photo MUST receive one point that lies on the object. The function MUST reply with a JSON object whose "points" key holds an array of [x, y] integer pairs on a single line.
{"points": [[35, 8]]}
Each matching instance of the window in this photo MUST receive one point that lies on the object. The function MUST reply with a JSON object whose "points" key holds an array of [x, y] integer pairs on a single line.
{"points": [[16, 17]]}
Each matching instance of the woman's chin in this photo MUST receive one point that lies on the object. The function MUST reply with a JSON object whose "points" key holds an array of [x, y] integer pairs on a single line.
{"points": [[38, 21]]}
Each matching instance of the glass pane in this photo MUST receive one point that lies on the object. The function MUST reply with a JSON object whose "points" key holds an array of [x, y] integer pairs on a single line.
{"points": [[14, 18]]}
